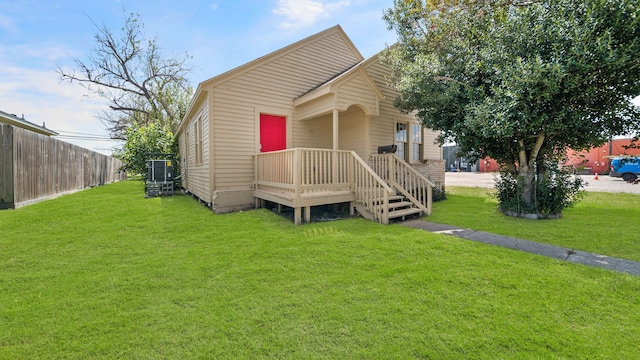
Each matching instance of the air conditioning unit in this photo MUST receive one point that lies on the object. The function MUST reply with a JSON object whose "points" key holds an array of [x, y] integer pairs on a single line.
{"points": [[159, 178]]}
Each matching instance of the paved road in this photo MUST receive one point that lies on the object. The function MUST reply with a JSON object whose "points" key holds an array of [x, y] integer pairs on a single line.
{"points": [[604, 183]]}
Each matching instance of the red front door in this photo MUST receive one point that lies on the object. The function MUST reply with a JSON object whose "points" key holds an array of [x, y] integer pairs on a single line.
{"points": [[273, 133]]}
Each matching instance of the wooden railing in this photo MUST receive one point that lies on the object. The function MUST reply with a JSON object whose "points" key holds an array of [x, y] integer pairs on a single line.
{"points": [[405, 179], [295, 173], [371, 190]]}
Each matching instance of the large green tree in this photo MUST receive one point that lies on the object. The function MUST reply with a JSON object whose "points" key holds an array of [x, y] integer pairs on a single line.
{"points": [[516, 80], [145, 143]]}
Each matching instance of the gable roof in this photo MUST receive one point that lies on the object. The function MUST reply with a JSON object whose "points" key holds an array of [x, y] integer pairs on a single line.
{"points": [[20, 122], [283, 51], [200, 92], [329, 86]]}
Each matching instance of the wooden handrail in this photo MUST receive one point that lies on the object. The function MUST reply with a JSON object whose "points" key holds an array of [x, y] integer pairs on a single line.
{"points": [[371, 190], [377, 177], [413, 185]]}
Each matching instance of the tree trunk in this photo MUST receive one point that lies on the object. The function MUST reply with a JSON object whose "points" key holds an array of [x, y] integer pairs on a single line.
{"points": [[526, 169], [529, 178]]}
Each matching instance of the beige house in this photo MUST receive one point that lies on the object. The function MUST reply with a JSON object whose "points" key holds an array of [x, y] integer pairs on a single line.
{"points": [[302, 127]]}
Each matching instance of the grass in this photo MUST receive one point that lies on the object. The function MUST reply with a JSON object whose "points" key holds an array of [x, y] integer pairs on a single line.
{"points": [[603, 223], [106, 273]]}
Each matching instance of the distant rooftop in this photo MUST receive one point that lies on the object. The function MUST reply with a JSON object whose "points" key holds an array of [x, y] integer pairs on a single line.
{"points": [[12, 119]]}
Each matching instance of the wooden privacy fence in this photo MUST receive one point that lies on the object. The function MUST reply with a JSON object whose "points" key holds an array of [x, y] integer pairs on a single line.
{"points": [[35, 167]]}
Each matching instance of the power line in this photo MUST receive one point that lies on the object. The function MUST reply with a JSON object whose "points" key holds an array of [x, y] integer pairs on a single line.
{"points": [[78, 133], [64, 134], [88, 138]]}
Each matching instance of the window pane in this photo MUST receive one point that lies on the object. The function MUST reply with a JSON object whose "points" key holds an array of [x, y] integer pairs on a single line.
{"points": [[401, 132], [401, 150], [416, 152], [401, 140], [416, 134]]}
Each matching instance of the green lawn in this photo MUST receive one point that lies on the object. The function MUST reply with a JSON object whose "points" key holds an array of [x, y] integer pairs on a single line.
{"points": [[106, 273], [604, 223]]}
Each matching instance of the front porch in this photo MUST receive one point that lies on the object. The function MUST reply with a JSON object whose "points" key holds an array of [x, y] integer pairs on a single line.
{"points": [[383, 189]]}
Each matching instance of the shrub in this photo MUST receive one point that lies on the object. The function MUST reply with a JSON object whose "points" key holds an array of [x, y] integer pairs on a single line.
{"points": [[555, 190], [438, 193]]}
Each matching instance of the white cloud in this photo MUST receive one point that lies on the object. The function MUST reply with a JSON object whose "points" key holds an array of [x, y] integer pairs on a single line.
{"points": [[304, 13], [8, 24], [41, 98], [214, 7]]}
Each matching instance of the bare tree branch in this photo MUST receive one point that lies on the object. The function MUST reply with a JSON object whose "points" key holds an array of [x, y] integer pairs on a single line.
{"points": [[129, 72]]}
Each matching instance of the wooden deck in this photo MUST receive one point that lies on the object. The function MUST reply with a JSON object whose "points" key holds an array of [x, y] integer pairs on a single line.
{"points": [[301, 178]]}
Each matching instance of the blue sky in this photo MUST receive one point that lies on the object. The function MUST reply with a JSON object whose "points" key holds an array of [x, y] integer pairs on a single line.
{"points": [[35, 36]]}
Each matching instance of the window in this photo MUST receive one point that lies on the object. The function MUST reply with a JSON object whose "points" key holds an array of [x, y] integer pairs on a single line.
{"points": [[417, 148], [401, 140], [198, 140]]}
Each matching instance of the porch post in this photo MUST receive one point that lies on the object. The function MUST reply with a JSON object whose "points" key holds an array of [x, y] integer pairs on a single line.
{"points": [[336, 146]]}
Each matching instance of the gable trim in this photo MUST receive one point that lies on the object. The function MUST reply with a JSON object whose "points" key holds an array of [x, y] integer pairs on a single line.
{"points": [[332, 85], [282, 52]]}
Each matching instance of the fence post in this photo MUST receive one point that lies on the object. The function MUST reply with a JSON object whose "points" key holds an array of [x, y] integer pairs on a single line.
{"points": [[6, 167]]}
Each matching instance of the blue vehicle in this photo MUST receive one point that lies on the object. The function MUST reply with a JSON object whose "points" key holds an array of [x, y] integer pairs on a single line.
{"points": [[627, 168]]}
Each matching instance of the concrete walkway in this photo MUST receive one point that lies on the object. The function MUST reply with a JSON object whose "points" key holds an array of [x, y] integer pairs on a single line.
{"points": [[556, 252]]}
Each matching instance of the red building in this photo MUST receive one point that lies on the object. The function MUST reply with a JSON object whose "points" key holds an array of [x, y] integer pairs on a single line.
{"points": [[596, 160], [590, 162]]}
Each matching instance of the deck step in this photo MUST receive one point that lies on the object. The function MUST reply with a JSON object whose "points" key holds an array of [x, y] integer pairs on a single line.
{"points": [[392, 198], [399, 204], [403, 212]]}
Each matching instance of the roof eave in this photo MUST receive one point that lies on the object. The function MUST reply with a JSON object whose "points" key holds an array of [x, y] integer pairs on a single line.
{"points": [[22, 123]]}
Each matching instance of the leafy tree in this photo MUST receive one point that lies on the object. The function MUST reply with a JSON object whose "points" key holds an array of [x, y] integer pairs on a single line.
{"points": [[142, 141], [519, 81], [141, 86]]}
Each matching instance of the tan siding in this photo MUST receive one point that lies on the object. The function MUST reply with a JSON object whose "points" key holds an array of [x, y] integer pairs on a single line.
{"points": [[432, 151], [380, 132], [234, 129], [197, 175], [315, 133], [382, 127], [358, 91], [316, 107], [272, 85], [352, 132]]}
